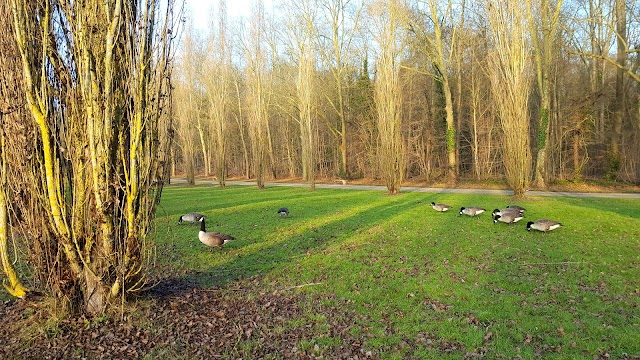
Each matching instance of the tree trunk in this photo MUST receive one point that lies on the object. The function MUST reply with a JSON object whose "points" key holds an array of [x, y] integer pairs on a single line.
{"points": [[14, 287], [203, 146], [451, 132], [577, 176], [542, 49], [618, 103]]}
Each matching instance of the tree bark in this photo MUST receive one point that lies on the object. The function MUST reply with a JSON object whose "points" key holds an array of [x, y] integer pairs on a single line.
{"points": [[618, 102]]}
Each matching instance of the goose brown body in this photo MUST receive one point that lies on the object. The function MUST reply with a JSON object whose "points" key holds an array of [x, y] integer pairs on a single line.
{"points": [[509, 211], [543, 225], [472, 210], [519, 208], [508, 218], [440, 207], [190, 217], [213, 239]]}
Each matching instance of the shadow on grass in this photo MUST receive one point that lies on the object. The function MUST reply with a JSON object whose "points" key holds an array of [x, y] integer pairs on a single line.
{"points": [[307, 234], [189, 200], [623, 207]]}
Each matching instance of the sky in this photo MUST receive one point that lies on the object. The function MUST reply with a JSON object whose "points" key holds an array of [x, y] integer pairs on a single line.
{"points": [[200, 10]]}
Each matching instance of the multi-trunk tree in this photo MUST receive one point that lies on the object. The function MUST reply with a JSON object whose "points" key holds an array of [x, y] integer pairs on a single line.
{"points": [[338, 49], [389, 36], [96, 80], [302, 27], [218, 89], [509, 72], [257, 96]]}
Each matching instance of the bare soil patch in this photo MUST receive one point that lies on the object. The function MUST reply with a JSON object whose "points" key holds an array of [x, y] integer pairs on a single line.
{"points": [[179, 319]]}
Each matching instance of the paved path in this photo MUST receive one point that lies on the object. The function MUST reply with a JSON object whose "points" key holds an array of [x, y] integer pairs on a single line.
{"points": [[632, 195]]}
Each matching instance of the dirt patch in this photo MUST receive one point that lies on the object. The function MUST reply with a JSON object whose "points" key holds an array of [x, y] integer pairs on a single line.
{"points": [[179, 319]]}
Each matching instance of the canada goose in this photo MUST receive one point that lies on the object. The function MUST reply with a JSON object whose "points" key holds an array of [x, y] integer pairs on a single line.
{"points": [[543, 225], [472, 210], [512, 211], [507, 218], [213, 239], [283, 212], [191, 217], [440, 207], [519, 208]]}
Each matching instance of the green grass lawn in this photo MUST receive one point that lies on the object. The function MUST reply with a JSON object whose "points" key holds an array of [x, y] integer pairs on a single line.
{"points": [[424, 284]]}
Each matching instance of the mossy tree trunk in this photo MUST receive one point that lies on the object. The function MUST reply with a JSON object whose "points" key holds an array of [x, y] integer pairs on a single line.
{"points": [[543, 25], [427, 25], [14, 285], [100, 104], [12, 111]]}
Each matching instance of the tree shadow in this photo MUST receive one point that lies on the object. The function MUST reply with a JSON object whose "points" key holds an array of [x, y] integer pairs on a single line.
{"points": [[170, 286], [624, 207], [190, 200], [309, 233]]}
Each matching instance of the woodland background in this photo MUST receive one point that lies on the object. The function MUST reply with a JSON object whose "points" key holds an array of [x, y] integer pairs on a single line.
{"points": [[300, 92]]}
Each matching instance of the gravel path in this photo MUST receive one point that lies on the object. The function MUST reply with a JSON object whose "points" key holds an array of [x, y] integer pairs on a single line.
{"points": [[630, 195]]}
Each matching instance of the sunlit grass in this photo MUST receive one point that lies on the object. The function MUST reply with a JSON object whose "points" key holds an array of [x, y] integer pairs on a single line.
{"points": [[422, 283]]}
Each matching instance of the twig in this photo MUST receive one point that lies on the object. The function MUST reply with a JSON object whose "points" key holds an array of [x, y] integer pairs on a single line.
{"points": [[556, 263], [300, 286]]}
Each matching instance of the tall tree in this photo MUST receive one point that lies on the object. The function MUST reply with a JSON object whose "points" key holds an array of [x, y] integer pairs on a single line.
{"points": [[217, 86], [543, 24], [619, 100], [257, 97], [339, 53], [98, 103], [511, 86], [193, 79], [301, 25], [186, 126], [432, 46], [388, 91]]}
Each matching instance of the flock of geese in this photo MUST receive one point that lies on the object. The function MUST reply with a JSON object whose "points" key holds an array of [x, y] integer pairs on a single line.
{"points": [[509, 215]]}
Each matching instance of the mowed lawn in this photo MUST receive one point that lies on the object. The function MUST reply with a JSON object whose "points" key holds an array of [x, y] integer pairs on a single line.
{"points": [[423, 284]]}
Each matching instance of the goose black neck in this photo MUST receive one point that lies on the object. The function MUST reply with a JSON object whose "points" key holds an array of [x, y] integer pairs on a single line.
{"points": [[202, 228]]}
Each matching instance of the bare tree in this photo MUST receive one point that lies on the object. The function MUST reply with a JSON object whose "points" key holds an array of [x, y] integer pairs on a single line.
{"points": [[432, 45], [218, 90], [256, 96], [241, 122], [98, 103], [619, 100], [193, 103], [301, 25], [510, 84], [11, 105], [339, 52], [187, 134], [543, 23], [388, 92]]}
